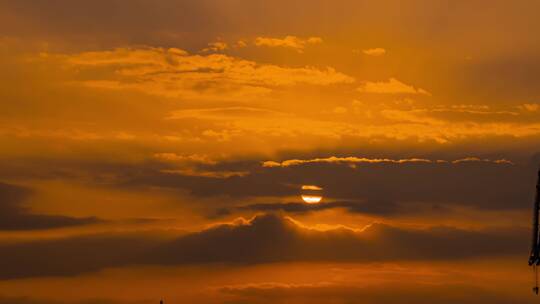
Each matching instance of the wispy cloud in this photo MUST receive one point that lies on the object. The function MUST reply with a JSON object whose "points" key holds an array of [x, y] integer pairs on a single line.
{"points": [[224, 113], [184, 159], [241, 242], [311, 187], [392, 86], [240, 44], [194, 165], [176, 73], [356, 160], [291, 42], [216, 46], [374, 52], [530, 107]]}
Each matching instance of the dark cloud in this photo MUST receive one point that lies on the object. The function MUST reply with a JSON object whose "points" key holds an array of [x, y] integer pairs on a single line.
{"points": [[272, 238], [371, 207], [400, 292], [15, 216], [373, 188], [135, 22], [31, 300], [393, 292], [137, 18], [265, 239], [65, 257], [477, 184]]}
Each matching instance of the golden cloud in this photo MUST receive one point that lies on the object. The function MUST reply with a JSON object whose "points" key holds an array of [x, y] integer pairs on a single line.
{"points": [[233, 115], [189, 165], [291, 42], [192, 158], [356, 160], [240, 44], [224, 113], [215, 46], [176, 73], [476, 159], [531, 107], [311, 187], [206, 173], [392, 86], [374, 52]]}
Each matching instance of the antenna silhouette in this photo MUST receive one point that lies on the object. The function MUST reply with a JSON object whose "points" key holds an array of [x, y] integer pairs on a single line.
{"points": [[534, 257]]}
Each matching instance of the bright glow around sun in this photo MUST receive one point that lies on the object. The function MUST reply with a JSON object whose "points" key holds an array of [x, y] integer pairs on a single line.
{"points": [[311, 187], [311, 199]]}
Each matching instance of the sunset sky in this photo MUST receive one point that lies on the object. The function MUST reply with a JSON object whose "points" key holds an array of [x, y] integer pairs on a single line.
{"points": [[261, 152]]}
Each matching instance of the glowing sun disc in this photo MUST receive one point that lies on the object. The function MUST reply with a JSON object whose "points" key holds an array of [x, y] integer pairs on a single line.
{"points": [[311, 199]]}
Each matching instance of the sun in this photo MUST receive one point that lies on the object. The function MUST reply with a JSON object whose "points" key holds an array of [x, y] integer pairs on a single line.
{"points": [[311, 194], [312, 199]]}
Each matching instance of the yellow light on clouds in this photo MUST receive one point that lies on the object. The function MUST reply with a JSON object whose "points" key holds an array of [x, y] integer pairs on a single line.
{"points": [[311, 187]]}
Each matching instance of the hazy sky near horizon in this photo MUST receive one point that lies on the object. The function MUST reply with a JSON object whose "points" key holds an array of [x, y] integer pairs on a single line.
{"points": [[159, 149]]}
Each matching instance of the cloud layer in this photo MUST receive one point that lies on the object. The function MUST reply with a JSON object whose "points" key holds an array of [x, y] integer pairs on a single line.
{"points": [[263, 239], [392, 86], [14, 215], [292, 42], [176, 73]]}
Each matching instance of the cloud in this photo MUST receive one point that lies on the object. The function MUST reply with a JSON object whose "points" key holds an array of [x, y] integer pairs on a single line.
{"points": [[263, 239], [479, 114], [373, 186], [216, 47], [374, 52], [99, 118], [356, 160], [475, 184], [37, 300], [194, 165], [470, 182], [362, 207], [476, 159], [339, 160], [291, 42], [531, 107], [203, 173], [182, 159], [392, 86], [224, 113], [339, 110], [420, 292], [15, 216], [71, 256], [175, 73], [311, 187], [240, 44], [464, 182]]}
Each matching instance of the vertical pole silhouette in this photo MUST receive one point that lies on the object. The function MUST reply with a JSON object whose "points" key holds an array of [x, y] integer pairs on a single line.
{"points": [[534, 259]]}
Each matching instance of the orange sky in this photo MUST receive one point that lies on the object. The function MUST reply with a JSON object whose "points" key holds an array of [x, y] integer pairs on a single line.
{"points": [[160, 149]]}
